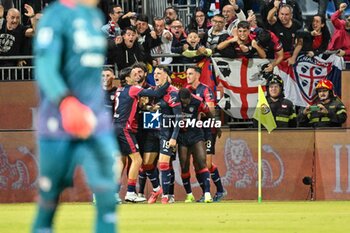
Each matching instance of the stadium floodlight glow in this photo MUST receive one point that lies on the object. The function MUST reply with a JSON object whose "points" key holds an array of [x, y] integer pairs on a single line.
{"points": [[307, 180]]}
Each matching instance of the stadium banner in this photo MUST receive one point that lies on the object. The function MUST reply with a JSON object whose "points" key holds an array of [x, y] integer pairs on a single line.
{"points": [[18, 166], [283, 166], [332, 164], [240, 79], [18, 104], [19, 173], [301, 79], [287, 157], [346, 93]]}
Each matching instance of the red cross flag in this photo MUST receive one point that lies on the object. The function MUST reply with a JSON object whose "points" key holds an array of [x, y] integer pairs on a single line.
{"points": [[240, 80]]}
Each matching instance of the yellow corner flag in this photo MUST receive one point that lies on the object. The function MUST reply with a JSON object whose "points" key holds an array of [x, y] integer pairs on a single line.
{"points": [[263, 112], [264, 116]]}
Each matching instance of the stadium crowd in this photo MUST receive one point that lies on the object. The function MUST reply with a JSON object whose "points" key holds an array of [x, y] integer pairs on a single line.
{"points": [[231, 33], [229, 28]]}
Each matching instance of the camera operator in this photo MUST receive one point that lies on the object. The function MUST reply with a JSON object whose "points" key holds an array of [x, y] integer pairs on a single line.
{"points": [[327, 110]]}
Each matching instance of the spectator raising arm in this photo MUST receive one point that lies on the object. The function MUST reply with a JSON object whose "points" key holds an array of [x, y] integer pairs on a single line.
{"points": [[30, 14], [271, 16], [341, 39]]}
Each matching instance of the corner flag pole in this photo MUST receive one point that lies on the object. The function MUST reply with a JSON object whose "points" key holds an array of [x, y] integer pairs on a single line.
{"points": [[264, 116], [259, 158]]}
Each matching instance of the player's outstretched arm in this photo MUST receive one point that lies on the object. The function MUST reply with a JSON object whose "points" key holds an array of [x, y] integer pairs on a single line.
{"points": [[158, 93]]}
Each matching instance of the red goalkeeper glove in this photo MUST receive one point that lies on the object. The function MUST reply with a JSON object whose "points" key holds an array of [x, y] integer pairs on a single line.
{"points": [[77, 118]]}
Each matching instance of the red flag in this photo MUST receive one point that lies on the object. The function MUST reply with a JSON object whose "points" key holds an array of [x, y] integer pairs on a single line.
{"points": [[240, 79], [207, 77], [178, 79]]}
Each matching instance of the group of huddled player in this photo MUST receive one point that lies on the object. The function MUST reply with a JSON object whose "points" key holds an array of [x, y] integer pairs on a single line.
{"points": [[153, 122]]}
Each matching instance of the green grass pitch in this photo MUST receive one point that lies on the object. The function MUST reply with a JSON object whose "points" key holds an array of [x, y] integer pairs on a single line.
{"points": [[224, 217]]}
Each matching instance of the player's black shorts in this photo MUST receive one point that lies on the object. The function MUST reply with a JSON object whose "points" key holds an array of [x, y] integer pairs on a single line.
{"points": [[127, 141], [164, 137], [164, 147], [190, 137], [210, 140], [148, 140]]}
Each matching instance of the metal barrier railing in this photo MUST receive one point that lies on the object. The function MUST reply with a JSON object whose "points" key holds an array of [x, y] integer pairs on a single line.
{"points": [[26, 72], [10, 72], [154, 8], [130, 5], [15, 73], [185, 10]]}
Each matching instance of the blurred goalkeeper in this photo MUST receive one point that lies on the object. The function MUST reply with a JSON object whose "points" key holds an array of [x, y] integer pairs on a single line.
{"points": [[72, 128]]}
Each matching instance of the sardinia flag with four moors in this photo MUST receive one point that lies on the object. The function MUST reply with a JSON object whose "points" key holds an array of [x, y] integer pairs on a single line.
{"points": [[240, 79]]}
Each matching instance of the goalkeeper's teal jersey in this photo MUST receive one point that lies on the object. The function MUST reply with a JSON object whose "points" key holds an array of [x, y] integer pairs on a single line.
{"points": [[69, 52]]}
